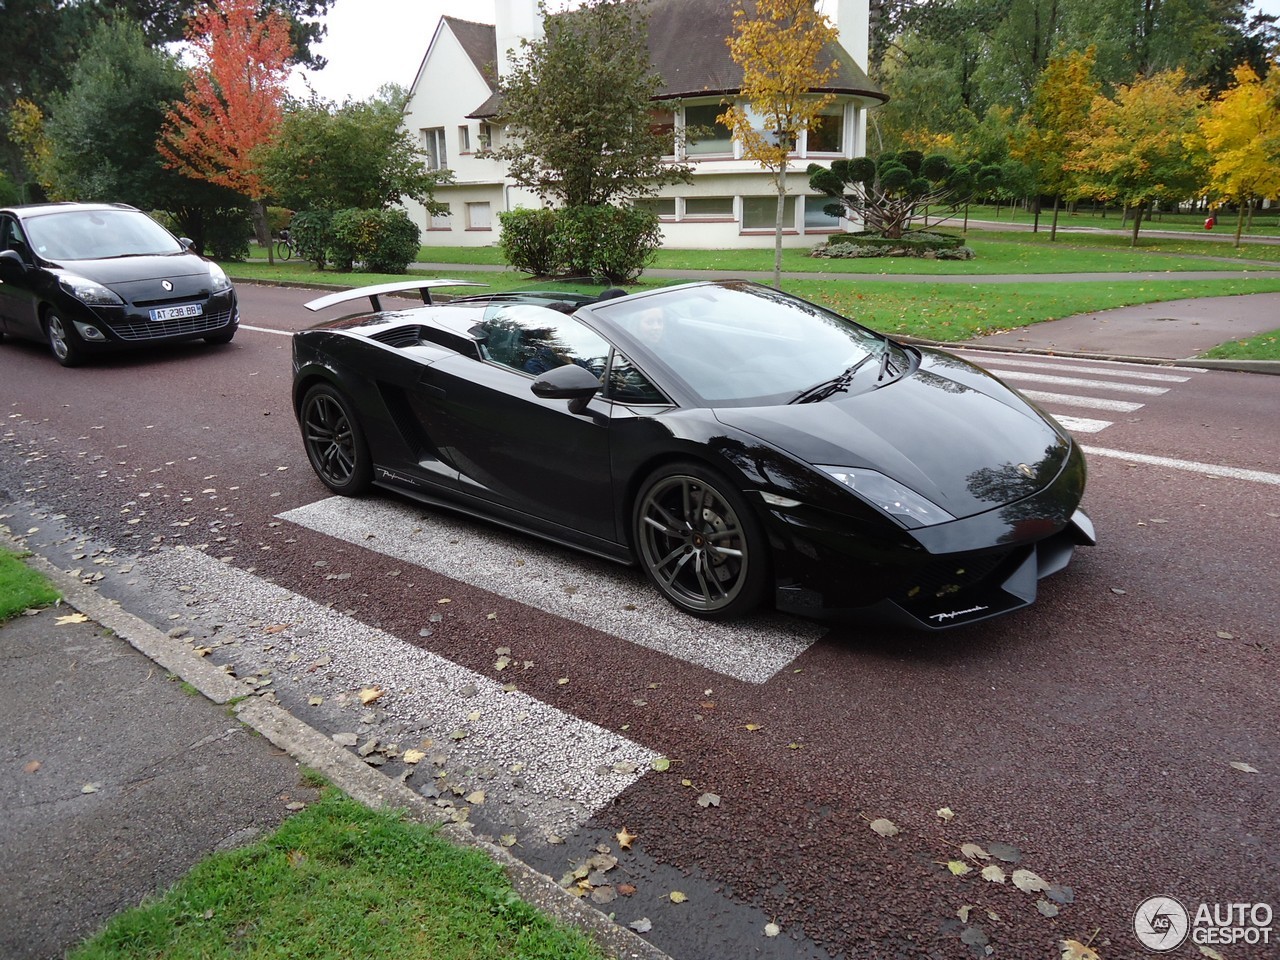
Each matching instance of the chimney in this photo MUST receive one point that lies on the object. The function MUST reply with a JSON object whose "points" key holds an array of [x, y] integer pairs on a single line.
{"points": [[514, 20], [853, 19]]}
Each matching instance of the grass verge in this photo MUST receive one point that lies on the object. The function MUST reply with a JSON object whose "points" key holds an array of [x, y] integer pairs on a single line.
{"points": [[1265, 346], [21, 587], [340, 881]]}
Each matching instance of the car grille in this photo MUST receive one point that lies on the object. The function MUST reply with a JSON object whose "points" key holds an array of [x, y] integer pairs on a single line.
{"points": [[949, 575], [162, 329]]}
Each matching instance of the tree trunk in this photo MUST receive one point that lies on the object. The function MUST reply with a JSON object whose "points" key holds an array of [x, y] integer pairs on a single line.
{"points": [[1035, 223], [965, 231], [1137, 221], [1053, 229], [261, 229], [1239, 225], [781, 180]]}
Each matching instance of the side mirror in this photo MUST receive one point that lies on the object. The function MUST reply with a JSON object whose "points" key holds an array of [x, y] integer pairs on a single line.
{"points": [[187, 243], [570, 382], [11, 266]]}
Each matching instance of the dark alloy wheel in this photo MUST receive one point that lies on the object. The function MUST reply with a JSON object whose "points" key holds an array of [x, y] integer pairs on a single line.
{"points": [[699, 542], [334, 441], [63, 341]]}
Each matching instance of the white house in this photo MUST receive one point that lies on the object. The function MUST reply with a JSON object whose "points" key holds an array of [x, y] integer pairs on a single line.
{"points": [[453, 109]]}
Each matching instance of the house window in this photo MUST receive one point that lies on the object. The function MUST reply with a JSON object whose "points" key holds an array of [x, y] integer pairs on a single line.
{"points": [[488, 136], [827, 136], [759, 213], [659, 206], [758, 124], [662, 123], [464, 139], [433, 145], [708, 208], [814, 216], [715, 138], [478, 216], [440, 221]]}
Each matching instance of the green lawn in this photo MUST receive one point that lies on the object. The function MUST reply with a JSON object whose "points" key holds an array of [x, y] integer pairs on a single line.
{"points": [[21, 588], [1265, 346], [1266, 223], [341, 882]]}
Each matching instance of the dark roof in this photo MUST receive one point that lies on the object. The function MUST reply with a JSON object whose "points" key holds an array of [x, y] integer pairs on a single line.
{"points": [[689, 49], [480, 43]]}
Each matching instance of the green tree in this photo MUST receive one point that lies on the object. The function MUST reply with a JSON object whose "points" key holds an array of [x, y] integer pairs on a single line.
{"points": [[886, 192], [577, 107], [1141, 147], [781, 52], [356, 155], [1241, 131]]}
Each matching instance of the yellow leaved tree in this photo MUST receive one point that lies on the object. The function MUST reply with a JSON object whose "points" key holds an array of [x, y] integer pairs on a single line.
{"points": [[1241, 131], [780, 50]]}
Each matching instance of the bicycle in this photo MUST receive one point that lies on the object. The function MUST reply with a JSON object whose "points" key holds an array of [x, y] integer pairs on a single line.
{"points": [[284, 246]]}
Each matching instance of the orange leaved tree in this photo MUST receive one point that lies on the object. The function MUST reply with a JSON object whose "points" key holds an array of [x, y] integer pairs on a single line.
{"points": [[233, 102]]}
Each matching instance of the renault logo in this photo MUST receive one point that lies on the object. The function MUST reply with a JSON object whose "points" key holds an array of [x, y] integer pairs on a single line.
{"points": [[1026, 471], [166, 284]]}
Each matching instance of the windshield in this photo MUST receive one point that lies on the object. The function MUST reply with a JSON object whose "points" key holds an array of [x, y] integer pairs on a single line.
{"points": [[98, 235], [742, 344]]}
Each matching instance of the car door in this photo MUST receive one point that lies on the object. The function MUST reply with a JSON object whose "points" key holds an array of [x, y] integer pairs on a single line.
{"points": [[527, 455], [18, 312]]}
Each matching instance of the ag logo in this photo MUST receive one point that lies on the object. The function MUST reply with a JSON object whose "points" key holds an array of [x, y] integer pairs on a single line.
{"points": [[1161, 923], [166, 284]]}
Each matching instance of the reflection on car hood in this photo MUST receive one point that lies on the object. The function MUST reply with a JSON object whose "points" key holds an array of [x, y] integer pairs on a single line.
{"points": [[949, 430], [126, 269]]}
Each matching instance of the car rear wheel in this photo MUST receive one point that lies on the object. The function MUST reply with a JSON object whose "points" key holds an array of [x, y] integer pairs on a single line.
{"points": [[63, 341], [335, 443], [699, 541]]}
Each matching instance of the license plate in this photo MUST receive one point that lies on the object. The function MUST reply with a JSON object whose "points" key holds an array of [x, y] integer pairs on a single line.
{"points": [[177, 313]]}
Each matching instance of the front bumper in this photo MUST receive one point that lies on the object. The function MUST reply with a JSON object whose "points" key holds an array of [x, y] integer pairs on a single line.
{"points": [[128, 326]]}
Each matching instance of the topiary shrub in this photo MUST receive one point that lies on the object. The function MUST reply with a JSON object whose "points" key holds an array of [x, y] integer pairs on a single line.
{"points": [[385, 241], [931, 246], [611, 242], [312, 233], [527, 240]]}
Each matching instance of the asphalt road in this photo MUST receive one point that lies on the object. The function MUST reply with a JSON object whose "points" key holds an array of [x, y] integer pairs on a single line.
{"points": [[1089, 740]]}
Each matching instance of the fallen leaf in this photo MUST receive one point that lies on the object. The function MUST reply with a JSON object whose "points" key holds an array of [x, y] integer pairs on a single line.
{"points": [[1223, 635], [974, 852], [476, 797], [295, 805], [963, 913], [369, 694], [1243, 767], [444, 600], [414, 756], [993, 873], [1211, 953], [626, 889], [314, 701], [886, 828], [276, 628], [1075, 950], [753, 726], [562, 681], [946, 814], [91, 788], [502, 663], [795, 746], [1046, 908], [71, 618], [772, 930], [708, 800], [958, 867], [604, 894], [625, 838], [643, 925], [31, 766], [1028, 882], [678, 897], [507, 840], [661, 764]]}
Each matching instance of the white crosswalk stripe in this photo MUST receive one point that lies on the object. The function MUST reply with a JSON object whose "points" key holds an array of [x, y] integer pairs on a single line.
{"points": [[602, 595], [1086, 377]]}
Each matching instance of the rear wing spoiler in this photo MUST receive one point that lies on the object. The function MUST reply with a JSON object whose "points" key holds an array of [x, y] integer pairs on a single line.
{"points": [[423, 287]]}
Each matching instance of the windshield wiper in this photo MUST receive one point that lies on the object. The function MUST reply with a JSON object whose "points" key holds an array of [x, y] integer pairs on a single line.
{"points": [[837, 384], [886, 362]]}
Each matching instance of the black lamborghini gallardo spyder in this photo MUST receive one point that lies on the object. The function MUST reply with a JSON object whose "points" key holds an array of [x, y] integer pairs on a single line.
{"points": [[738, 443]]}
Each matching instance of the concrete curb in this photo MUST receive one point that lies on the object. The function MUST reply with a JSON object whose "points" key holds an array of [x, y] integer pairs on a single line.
{"points": [[340, 767], [1236, 366]]}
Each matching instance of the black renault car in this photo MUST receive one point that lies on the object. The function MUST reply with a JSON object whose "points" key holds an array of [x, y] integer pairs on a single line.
{"points": [[91, 277]]}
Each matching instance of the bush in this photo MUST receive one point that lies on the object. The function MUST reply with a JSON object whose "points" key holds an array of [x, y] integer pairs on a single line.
{"points": [[312, 234], [932, 246], [226, 233], [527, 240], [611, 242], [385, 241], [278, 219]]}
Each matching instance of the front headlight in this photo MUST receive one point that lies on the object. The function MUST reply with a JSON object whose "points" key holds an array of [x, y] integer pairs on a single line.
{"points": [[901, 503], [219, 277], [88, 292]]}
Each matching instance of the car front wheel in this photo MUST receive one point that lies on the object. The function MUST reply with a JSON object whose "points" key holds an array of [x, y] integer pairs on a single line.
{"points": [[335, 443], [63, 341], [699, 542]]}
